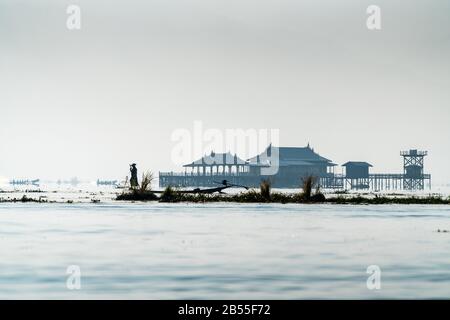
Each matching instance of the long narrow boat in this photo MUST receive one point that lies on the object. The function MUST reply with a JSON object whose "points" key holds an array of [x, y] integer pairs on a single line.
{"points": [[224, 183]]}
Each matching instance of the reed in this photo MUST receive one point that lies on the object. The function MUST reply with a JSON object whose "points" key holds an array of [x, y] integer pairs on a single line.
{"points": [[265, 189], [308, 183], [146, 183]]}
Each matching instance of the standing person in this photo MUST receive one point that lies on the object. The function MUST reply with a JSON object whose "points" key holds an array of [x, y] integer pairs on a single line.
{"points": [[134, 178]]}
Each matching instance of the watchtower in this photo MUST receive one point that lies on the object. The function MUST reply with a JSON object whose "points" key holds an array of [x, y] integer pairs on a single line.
{"points": [[413, 176]]}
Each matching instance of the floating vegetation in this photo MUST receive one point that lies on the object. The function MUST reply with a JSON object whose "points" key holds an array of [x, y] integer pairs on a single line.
{"points": [[173, 195], [389, 200], [253, 196], [169, 195], [266, 195], [137, 195], [24, 199], [140, 193]]}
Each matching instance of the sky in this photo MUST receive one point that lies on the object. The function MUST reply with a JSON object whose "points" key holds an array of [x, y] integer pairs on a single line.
{"points": [[89, 102]]}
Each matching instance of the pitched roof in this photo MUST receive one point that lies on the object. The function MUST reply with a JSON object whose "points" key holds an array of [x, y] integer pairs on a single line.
{"points": [[217, 159], [291, 156], [306, 153], [357, 164]]}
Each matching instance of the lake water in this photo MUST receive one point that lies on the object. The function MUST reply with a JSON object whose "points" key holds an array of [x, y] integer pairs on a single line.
{"points": [[223, 251]]}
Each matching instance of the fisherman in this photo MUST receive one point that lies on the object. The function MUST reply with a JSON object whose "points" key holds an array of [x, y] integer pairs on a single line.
{"points": [[134, 178]]}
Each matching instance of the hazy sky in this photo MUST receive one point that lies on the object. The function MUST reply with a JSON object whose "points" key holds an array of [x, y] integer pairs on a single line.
{"points": [[87, 103]]}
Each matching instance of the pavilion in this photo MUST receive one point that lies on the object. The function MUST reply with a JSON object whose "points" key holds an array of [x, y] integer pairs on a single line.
{"points": [[217, 164]]}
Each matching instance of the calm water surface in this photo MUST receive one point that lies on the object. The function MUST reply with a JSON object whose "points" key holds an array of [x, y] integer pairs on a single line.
{"points": [[221, 251]]}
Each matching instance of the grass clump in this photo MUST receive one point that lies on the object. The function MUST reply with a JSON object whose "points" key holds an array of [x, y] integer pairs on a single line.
{"points": [[265, 189], [308, 183], [169, 195], [142, 192], [146, 183]]}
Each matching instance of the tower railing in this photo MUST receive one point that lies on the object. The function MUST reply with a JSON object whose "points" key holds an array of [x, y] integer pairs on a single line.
{"points": [[411, 153]]}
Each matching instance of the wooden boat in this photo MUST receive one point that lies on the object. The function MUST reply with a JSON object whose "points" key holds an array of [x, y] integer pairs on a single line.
{"points": [[224, 185]]}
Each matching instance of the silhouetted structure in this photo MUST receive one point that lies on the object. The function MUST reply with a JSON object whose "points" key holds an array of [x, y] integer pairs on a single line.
{"points": [[134, 183], [294, 164], [357, 175], [414, 177]]}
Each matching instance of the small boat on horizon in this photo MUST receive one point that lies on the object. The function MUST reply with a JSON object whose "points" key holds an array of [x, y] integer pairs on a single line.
{"points": [[25, 182], [107, 182]]}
